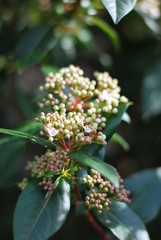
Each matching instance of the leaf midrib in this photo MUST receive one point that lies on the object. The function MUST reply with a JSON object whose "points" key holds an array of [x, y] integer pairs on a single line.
{"points": [[39, 214]]}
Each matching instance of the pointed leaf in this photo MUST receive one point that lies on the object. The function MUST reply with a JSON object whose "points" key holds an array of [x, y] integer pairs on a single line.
{"points": [[20, 134], [34, 45], [114, 120], [146, 192], [105, 169], [121, 141], [118, 8], [29, 126], [123, 222], [37, 216], [126, 118]]}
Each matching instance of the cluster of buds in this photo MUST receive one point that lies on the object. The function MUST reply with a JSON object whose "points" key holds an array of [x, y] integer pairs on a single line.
{"points": [[74, 117], [48, 165], [103, 191], [77, 105], [48, 184]]}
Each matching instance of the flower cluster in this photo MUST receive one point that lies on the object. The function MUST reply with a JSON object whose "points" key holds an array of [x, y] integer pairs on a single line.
{"points": [[103, 191], [75, 110], [48, 165], [77, 105]]}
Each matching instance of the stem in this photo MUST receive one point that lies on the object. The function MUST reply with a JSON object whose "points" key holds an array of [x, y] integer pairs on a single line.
{"points": [[96, 226], [90, 219], [63, 144]]}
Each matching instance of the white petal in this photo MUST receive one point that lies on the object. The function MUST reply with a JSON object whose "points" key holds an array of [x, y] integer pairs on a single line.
{"points": [[87, 129], [53, 132]]}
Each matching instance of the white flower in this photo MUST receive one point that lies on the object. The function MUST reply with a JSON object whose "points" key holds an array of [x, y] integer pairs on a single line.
{"points": [[87, 129], [52, 132]]}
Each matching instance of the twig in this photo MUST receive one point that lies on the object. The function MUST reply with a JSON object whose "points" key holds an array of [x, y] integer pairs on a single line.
{"points": [[90, 219]]}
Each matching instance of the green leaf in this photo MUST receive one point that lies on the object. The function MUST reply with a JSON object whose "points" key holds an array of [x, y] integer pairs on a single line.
{"points": [[81, 208], [146, 192], [46, 69], [34, 45], [120, 140], [29, 127], [20, 134], [114, 120], [105, 27], [151, 91], [10, 157], [37, 216], [126, 118], [118, 8], [123, 222], [105, 169]]}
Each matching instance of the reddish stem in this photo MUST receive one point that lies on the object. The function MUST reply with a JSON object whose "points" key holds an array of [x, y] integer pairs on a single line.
{"points": [[96, 226], [79, 196], [63, 144], [90, 218]]}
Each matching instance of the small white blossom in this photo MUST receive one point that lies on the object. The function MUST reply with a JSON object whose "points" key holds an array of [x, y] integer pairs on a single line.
{"points": [[53, 132], [87, 129]]}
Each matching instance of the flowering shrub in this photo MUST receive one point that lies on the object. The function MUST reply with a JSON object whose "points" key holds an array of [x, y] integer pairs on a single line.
{"points": [[76, 107], [80, 116]]}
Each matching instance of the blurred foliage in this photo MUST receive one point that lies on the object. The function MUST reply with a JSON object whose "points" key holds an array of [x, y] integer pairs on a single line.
{"points": [[40, 36]]}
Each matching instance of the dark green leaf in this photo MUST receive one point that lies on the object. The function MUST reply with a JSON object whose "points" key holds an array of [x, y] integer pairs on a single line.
{"points": [[10, 157], [145, 187], [33, 138], [126, 118], [120, 140], [105, 169], [118, 8], [114, 120], [38, 216], [105, 27], [81, 208], [123, 222], [34, 45], [29, 127], [151, 91]]}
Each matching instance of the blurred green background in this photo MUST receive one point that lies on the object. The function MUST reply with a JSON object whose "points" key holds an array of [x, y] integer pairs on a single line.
{"points": [[43, 35]]}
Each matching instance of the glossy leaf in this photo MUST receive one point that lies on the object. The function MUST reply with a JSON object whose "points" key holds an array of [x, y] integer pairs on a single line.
{"points": [[126, 118], [105, 27], [123, 222], [145, 187], [118, 8], [34, 45], [105, 169], [114, 120], [24, 135], [29, 126], [120, 140], [38, 216]]}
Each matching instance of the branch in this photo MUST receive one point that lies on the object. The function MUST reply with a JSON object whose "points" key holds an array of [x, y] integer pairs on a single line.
{"points": [[90, 219], [98, 229]]}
